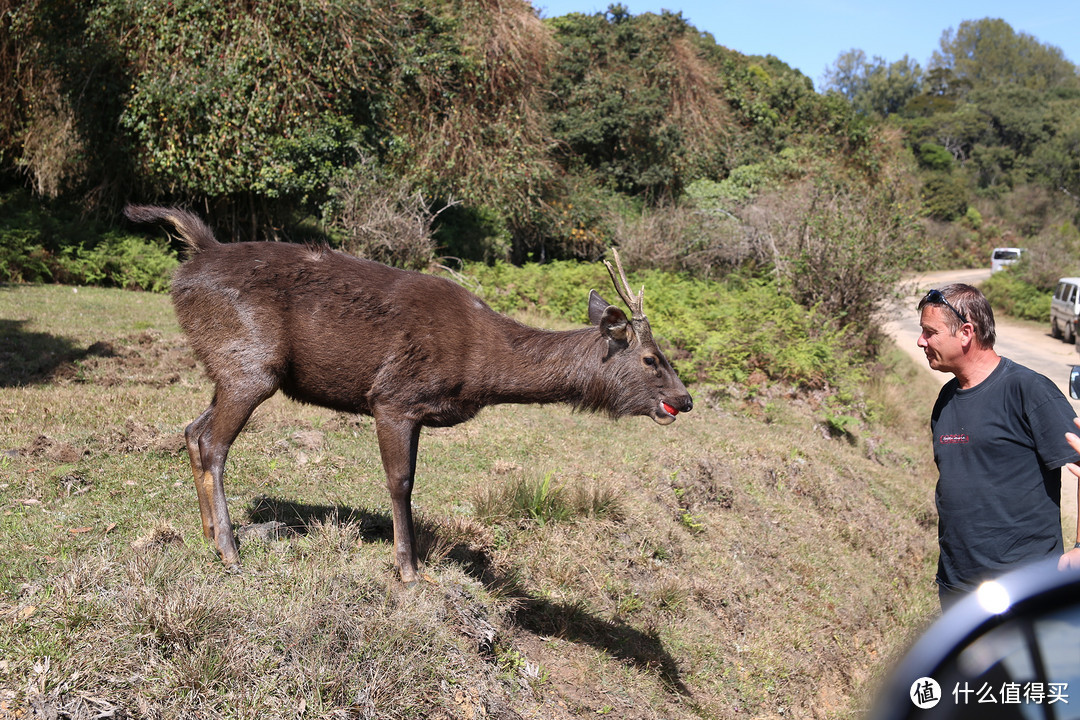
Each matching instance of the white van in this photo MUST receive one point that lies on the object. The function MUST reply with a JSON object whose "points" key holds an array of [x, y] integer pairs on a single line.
{"points": [[1003, 257], [1065, 308]]}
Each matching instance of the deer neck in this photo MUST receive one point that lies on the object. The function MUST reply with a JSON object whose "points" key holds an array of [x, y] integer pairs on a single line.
{"points": [[541, 366]]}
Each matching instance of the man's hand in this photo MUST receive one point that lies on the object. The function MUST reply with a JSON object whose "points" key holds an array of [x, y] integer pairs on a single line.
{"points": [[1070, 560]]}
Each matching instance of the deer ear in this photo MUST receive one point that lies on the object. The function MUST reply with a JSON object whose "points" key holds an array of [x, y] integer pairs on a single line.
{"points": [[615, 327], [612, 321], [597, 306]]}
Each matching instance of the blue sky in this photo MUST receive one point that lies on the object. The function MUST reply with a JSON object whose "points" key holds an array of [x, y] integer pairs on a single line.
{"points": [[810, 34]]}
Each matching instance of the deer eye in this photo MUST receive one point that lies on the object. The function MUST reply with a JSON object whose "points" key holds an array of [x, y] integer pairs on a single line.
{"points": [[649, 360]]}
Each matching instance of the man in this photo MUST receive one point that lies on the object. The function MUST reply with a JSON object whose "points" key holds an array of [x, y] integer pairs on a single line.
{"points": [[999, 443]]}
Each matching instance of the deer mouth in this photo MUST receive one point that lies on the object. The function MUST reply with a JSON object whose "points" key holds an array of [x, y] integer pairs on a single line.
{"points": [[665, 414]]}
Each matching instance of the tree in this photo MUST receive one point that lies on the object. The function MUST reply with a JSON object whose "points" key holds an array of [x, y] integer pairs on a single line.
{"points": [[873, 86], [890, 88], [989, 53], [632, 99], [847, 75]]}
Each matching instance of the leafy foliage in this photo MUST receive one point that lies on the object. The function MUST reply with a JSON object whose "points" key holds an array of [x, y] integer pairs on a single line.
{"points": [[55, 244], [1009, 292], [874, 86], [539, 131], [632, 99], [837, 250], [989, 53], [994, 114]]}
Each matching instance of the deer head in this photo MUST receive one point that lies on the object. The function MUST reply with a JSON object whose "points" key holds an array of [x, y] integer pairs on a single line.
{"points": [[659, 392]]}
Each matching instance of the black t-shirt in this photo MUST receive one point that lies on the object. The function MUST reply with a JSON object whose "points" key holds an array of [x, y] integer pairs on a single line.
{"points": [[998, 448]]}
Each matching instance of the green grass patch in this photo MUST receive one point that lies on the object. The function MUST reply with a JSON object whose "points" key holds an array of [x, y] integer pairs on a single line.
{"points": [[543, 500]]}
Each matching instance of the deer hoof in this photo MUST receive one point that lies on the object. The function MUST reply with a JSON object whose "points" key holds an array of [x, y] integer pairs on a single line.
{"points": [[424, 577]]}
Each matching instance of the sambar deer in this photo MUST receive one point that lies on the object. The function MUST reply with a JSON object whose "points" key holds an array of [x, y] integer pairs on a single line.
{"points": [[409, 349]]}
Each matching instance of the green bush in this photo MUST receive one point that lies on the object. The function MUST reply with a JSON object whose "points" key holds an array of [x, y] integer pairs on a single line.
{"points": [[934, 157], [944, 196], [51, 242], [124, 261], [22, 256], [1010, 294]]}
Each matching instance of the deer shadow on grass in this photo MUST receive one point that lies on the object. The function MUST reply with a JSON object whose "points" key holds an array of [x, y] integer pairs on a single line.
{"points": [[28, 358], [301, 518], [534, 614]]}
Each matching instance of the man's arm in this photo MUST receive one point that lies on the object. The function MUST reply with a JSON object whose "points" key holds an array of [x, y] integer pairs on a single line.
{"points": [[1071, 558]]}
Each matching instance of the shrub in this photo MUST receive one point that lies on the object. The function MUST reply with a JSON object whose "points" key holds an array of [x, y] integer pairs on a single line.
{"points": [[934, 157], [838, 250], [124, 261], [379, 217], [22, 257], [1050, 255], [52, 242], [944, 196], [1010, 294], [632, 99]]}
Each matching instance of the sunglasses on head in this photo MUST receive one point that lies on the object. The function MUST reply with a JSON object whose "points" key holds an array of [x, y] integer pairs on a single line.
{"points": [[934, 297]]}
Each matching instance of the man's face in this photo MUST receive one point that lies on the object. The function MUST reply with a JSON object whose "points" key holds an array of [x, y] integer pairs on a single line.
{"points": [[942, 347]]}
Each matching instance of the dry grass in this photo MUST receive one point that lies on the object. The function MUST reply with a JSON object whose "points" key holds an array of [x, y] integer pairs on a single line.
{"points": [[756, 566]]}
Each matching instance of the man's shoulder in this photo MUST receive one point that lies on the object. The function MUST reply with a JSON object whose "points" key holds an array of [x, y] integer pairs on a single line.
{"points": [[1032, 390], [1015, 373]]}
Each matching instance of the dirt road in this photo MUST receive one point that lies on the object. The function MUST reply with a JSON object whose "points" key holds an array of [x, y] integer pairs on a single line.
{"points": [[1024, 342]]}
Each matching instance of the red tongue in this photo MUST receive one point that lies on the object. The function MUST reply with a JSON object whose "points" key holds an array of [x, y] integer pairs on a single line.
{"points": [[669, 410]]}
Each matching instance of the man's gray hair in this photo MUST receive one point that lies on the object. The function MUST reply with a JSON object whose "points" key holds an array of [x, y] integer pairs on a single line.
{"points": [[973, 305]]}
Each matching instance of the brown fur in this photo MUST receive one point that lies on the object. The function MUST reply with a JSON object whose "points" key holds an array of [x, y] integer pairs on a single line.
{"points": [[409, 349]]}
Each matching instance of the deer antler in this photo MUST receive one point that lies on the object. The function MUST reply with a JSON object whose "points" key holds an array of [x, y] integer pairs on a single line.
{"points": [[634, 302]]}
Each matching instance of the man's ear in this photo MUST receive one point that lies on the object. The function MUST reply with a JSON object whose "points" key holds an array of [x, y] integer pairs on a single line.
{"points": [[967, 335]]}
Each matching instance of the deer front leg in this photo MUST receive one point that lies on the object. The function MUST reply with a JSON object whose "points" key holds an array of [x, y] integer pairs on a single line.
{"points": [[398, 441]]}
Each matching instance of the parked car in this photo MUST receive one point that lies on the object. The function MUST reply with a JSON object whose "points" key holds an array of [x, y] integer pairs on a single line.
{"points": [[1003, 257], [1065, 309]]}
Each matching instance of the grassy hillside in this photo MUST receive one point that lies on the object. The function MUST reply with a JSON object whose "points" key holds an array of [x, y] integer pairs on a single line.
{"points": [[746, 560]]}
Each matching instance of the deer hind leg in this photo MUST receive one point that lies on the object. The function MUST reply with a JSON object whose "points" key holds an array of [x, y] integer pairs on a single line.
{"points": [[192, 434], [218, 428], [398, 442]]}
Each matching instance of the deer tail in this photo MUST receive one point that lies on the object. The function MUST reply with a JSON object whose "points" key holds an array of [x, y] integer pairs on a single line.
{"points": [[192, 229]]}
